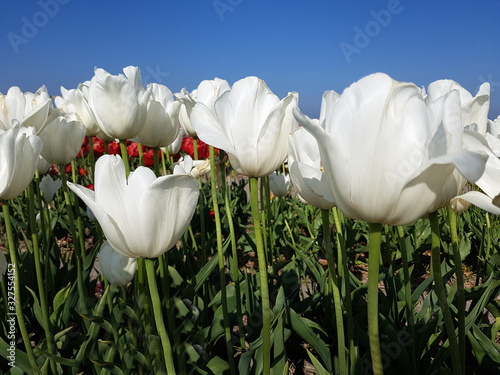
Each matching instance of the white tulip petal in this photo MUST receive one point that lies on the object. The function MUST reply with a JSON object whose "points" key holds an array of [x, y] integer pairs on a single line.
{"points": [[209, 129], [179, 195], [477, 199], [119, 270]]}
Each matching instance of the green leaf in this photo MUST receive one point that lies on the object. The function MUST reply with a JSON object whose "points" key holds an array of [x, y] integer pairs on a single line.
{"points": [[303, 328], [317, 364], [36, 307], [217, 365], [22, 361], [280, 301], [278, 344], [202, 276]]}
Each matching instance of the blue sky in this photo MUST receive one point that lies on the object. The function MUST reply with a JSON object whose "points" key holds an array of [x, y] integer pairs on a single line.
{"points": [[303, 46]]}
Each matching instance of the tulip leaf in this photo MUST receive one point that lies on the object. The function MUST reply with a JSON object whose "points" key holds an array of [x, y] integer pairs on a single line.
{"points": [[22, 361], [36, 306], [217, 365], [204, 273], [317, 364], [304, 328]]}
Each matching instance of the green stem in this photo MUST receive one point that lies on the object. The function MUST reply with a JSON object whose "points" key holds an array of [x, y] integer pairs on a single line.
{"points": [[488, 243], [40, 276], [195, 148], [79, 224], [334, 282], [141, 291], [222, 273], [264, 288], [264, 208], [344, 279], [17, 288], [123, 148], [141, 154], [163, 163], [267, 233], [407, 291], [44, 210], [235, 269], [79, 272], [452, 217], [373, 273], [158, 314], [441, 292], [73, 171], [156, 164]]}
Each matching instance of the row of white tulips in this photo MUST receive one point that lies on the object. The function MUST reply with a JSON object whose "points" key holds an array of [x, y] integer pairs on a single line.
{"points": [[393, 137], [383, 151]]}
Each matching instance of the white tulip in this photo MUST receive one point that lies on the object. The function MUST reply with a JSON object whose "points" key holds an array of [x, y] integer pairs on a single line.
{"points": [[161, 125], [29, 109], [143, 216], [279, 184], [251, 124], [208, 92], [389, 155], [49, 187], [174, 147], [196, 168], [62, 136], [119, 270], [117, 102], [75, 101], [305, 161], [474, 109], [19, 152]]}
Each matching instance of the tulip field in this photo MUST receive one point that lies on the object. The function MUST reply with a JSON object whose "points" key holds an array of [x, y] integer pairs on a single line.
{"points": [[223, 231]]}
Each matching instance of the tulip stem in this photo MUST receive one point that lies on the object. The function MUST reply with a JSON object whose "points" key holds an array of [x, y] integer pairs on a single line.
{"points": [[457, 259], [195, 148], [373, 273], [79, 224], [158, 314], [222, 273], [441, 292], [334, 283], [407, 290], [141, 154], [156, 164], [123, 148], [69, 208], [17, 287], [39, 275], [264, 288], [344, 277], [235, 269]]}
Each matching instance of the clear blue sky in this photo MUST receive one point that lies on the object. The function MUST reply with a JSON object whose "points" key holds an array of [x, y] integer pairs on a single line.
{"points": [[303, 46]]}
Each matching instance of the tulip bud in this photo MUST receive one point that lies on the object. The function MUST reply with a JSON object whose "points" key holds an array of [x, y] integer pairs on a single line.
{"points": [[49, 187], [118, 269]]}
